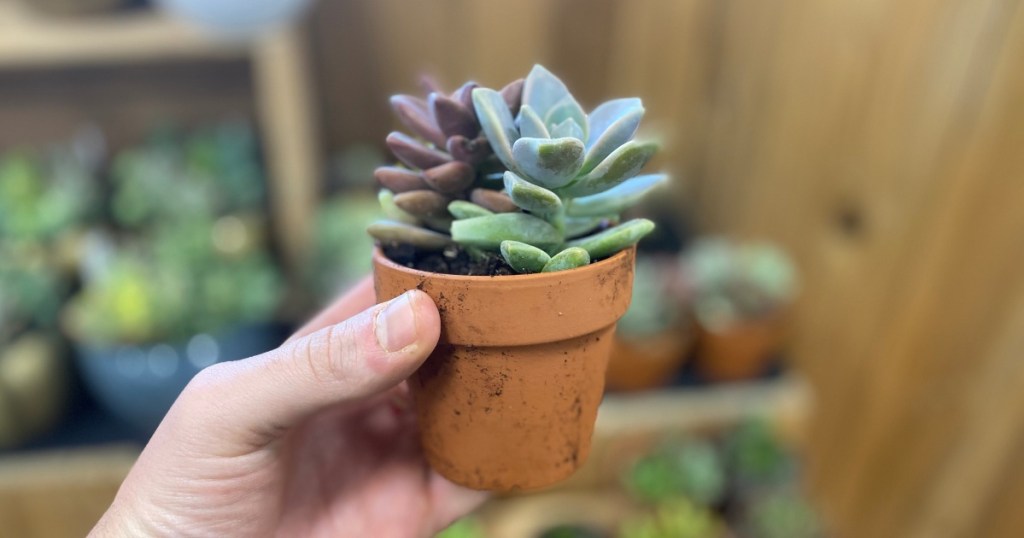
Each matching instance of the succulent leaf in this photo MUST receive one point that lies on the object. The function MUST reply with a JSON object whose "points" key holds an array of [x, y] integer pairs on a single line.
{"points": [[512, 93], [461, 209], [470, 151], [450, 178], [531, 125], [398, 179], [533, 198], [392, 211], [423, 203], [622, 164], [613, 201], [452, 117], [567, 109], [608, 113], [464, 95], [577, 226], [488, 232], [497, 123], [567, 129], [552, 163], [569, 258], [524, 258], [387, 231], [617, 134], [414, 154], [413, 113], [495, 201], [543, 90], [612, 240]]}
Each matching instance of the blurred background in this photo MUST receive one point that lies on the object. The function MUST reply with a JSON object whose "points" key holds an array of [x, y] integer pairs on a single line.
{"points": [[827, 335]]}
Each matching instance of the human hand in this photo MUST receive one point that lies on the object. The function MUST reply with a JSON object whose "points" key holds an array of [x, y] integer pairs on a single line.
{"points": [[315, 438]]}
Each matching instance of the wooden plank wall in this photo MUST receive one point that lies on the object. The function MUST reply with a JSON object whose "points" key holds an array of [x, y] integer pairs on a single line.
{"points": [[879, 141]]}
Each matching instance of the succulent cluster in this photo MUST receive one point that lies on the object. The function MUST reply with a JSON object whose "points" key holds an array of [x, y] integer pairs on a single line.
{"points": [[734, 282], [566, 176]]}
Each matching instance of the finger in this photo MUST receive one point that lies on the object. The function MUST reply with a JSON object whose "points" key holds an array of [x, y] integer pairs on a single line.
{"points": [[354, 301], [250, 403], [452, 501]]}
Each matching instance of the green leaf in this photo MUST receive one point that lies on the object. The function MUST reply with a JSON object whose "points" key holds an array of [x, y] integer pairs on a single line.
{"points": [[543, 90], [497, 123], [462, 209], [524, 258], [530, 124], [488, 232], [387, 231], [392, 211], [616, 199], [567, 109], [608, 113], [621, 165], [567, 129], [617, 134], [569, 258], [530, 197], [552, 163], [612, 240], [577, 226]]}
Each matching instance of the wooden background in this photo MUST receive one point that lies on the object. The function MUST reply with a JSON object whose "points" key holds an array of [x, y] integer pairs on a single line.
{"points": [[881, 142]]}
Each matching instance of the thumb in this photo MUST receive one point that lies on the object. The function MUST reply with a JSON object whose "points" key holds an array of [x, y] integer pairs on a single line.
{"points": [[250, 403]]}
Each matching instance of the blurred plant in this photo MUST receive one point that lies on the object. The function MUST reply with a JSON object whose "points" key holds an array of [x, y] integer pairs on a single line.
{"points": [[173, 177], [341, 247], [674, 518], [573, 531], [30, 289], [685, 467], [736, 282], [783, 513], [755, 456], [654, 308]]}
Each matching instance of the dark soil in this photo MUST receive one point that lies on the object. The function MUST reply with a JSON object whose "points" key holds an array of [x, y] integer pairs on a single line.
{"points": [[453, 260]]}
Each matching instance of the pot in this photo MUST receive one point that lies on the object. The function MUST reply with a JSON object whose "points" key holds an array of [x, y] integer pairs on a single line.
{"points": [[640, 363], [508, 399], [743, 350]]}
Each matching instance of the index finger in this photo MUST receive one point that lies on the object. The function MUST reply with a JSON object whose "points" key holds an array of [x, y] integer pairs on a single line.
{"points": [[354, 301]]}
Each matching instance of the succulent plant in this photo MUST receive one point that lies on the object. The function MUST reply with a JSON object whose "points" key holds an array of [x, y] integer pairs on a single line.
{"points": [[784, 513], [690, 468], [566, 175], [30, 289], [445, 162], [653, 307], [735, 282], [674, 518], [755, 455]]}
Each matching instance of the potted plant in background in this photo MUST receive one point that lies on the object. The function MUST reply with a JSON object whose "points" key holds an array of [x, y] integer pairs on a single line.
{"points": [[653, 339], [522, 357], [186, 278], [741, 299]]}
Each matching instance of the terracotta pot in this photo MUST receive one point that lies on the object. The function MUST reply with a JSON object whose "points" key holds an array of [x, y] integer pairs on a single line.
{"points": [[509, 397], [740, 351], [640, 363]]}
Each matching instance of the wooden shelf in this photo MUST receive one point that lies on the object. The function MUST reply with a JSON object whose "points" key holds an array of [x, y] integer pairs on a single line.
{"points": [[30, 40]]}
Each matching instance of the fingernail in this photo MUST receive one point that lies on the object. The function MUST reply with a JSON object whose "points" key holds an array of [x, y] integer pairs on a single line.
{"points": [[396, 324]]}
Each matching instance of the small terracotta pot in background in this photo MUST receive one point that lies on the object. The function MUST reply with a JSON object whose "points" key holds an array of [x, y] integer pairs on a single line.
{"points": [[509, 397], [742, 350], [647, 362]]}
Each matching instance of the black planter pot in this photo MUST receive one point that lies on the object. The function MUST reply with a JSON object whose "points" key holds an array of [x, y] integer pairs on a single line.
{"points": [[138, 383]]}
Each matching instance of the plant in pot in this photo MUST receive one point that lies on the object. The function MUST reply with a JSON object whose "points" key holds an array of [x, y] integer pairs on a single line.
{"points": [[782, 513], [681, 467], [741, 299], [652, 341], [524, 254]]}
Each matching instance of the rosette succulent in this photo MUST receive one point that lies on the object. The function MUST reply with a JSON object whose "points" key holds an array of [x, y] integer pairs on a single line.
{"points": [[445, 162], [566, 177]]}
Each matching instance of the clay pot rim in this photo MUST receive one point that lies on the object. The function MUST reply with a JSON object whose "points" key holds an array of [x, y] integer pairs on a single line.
{"points": [[379, 257]]}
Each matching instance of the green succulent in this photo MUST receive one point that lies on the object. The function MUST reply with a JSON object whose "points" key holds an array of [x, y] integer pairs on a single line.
{"points": [[447, 161], [30, 290], [783, 514], [690, 468], [755, 455], [652, 309], [567, 174], [734, 282], [674, 518], [42, 196]]}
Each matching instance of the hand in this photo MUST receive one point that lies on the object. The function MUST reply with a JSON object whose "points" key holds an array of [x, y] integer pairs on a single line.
{"points": [[315, 438]]}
